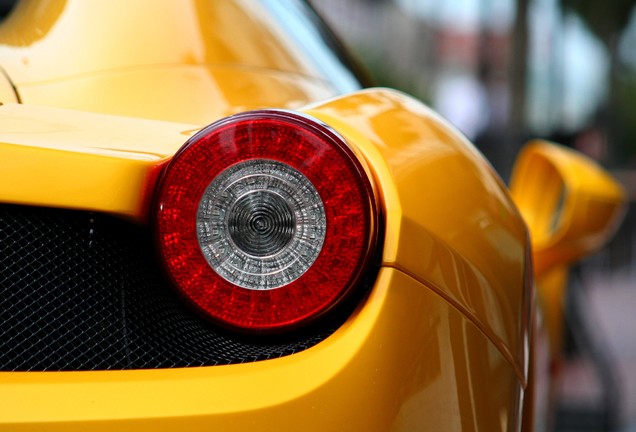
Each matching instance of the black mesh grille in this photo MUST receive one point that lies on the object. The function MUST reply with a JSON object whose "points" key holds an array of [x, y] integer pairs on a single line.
{"points": [[81, 291]]}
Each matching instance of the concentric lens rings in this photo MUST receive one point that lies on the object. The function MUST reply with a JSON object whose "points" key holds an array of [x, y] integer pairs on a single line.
{"points": [[261, 224]]}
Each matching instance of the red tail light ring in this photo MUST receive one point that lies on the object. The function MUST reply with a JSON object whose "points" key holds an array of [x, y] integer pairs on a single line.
{"points": [[265, 220]]}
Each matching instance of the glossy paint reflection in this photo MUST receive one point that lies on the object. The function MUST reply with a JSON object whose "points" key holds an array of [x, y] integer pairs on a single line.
{"points": [[191, 61], [450, 223]]}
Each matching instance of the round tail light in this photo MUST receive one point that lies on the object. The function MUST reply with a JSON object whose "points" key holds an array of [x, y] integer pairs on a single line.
{"points": [[265, 220]]}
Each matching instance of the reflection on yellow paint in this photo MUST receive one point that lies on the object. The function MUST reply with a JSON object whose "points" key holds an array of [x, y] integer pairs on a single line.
{"points": [[42, 17], [450, 222]]}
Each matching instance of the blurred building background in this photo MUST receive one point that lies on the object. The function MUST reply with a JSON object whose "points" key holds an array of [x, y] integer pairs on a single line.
{"points": [[504, 71], [551, 68]]}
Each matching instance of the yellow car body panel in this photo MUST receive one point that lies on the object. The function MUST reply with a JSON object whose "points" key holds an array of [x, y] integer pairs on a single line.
{"points": [[441, 340], [7, 91], [70, 159], [564, 184], [572, 207], [185, 55], [422, 235], [453, 235], [376, 373], [41, 44], [233, 90], [451, 306]]}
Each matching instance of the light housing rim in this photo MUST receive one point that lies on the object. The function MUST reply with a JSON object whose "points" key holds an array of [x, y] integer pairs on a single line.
{"points": [[335, 142]]}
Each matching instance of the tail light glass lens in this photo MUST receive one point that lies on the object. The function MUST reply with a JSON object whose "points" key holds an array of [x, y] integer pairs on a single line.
{"points": [[265, 220]]}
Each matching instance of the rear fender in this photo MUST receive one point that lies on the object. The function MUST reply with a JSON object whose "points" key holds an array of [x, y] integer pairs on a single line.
{"points": [[450, 223]]}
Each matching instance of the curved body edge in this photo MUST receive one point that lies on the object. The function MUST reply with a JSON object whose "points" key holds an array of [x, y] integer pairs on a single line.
{"points": [[450, 222], [376, 373]]}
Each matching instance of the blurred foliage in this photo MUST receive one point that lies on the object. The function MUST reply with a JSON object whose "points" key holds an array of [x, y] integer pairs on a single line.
{"points": [[615, 117], [607, 19], [626, 117], [384, 74]]}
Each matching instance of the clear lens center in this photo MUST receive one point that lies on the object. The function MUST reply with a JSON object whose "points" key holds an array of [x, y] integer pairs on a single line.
{"points": [[261, 223]]}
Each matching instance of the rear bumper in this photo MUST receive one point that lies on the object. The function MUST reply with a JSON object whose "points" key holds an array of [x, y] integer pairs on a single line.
{"points": [[405, 360]]}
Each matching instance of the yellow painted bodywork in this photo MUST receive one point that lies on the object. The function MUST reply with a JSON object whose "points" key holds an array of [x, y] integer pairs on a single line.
{"points": [[572, 207], [71, 159], [454, 245], [7, 92], [441, 341], [190, 61], [395, 356], [449, 221]]}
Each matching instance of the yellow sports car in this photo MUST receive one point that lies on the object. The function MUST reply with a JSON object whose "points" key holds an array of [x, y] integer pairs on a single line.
{"points": [[206, 223]]}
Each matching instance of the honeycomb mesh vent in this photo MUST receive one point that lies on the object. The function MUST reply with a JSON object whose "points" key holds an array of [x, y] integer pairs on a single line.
{"points": [[82, 291]]}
